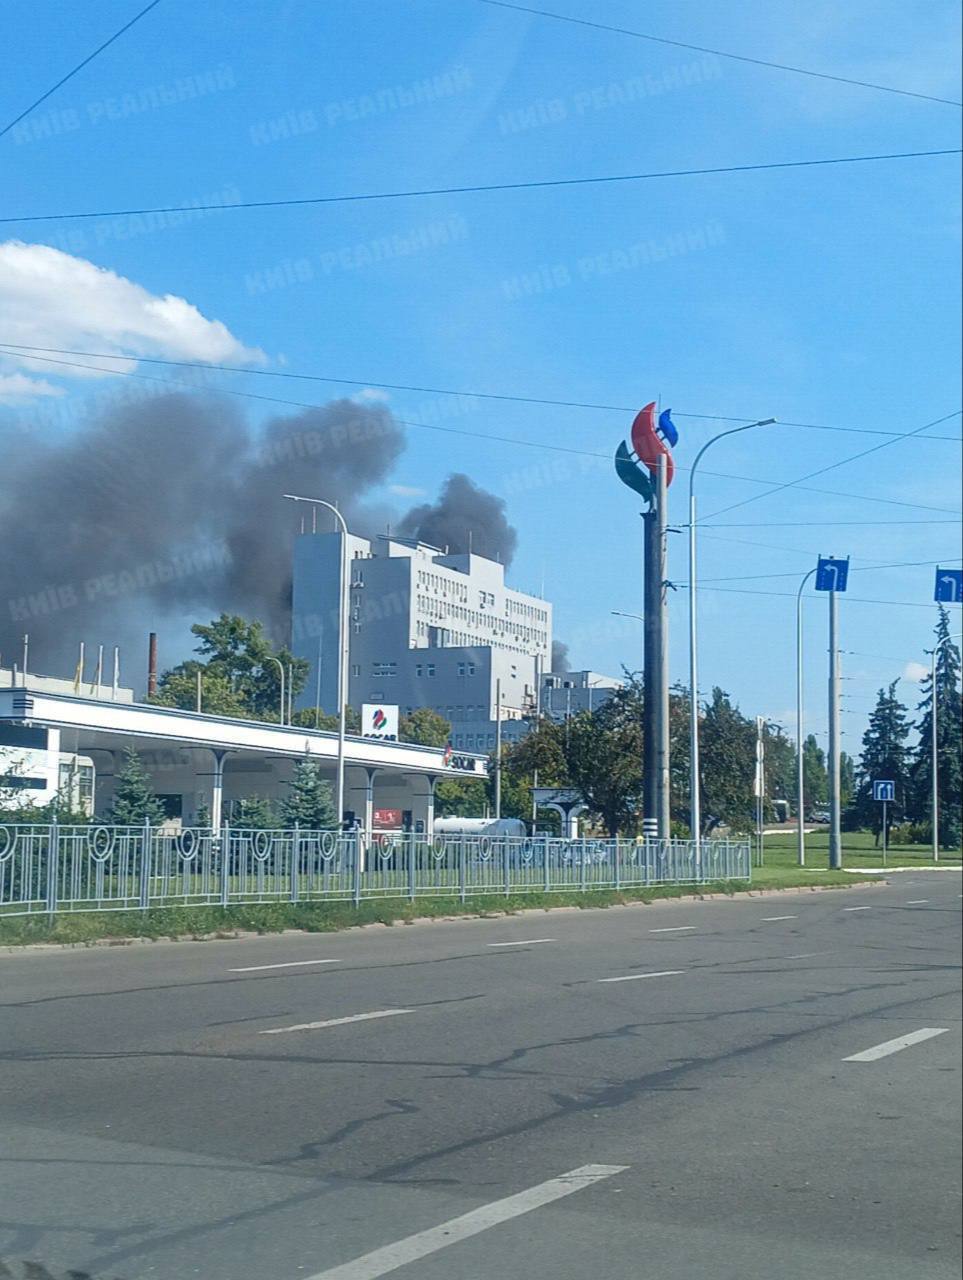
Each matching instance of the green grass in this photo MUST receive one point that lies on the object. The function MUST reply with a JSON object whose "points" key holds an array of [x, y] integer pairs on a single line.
{"points": [[859, 850], [326, 917]]}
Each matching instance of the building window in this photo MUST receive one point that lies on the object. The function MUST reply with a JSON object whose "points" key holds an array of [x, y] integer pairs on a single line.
{"points": [[418, 670], [356, 669], [429, 668]]}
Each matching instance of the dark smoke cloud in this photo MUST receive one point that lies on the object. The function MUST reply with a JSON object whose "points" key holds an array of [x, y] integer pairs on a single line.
{"points": [[463, 517], [169, 508], [560, 660]]}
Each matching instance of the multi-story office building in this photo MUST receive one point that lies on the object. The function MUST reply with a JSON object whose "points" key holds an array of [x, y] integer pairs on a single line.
{"points": [[426, 629]]}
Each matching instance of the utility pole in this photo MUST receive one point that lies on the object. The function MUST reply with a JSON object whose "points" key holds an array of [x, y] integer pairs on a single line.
{"points": [[760, 786], [662, 756], [800, 772], [651, 695], [835, 844], [498, 749]]}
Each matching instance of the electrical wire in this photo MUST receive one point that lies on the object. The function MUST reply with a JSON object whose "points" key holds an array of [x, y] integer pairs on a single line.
{"points": [[458, 431], [791, 595], [821, 471], [870, 568], [79, 67], [443, 391], [476, 188], [719, 53]]}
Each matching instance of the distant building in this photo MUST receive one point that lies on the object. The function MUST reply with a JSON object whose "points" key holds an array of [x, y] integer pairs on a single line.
{"points": [[427, 629]]}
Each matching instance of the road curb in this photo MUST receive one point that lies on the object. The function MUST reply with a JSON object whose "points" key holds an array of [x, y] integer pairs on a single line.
{"points": [[222, 935]]}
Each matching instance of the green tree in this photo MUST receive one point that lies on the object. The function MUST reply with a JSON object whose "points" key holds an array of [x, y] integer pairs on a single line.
{"points": [[727, 741], [134, 801], [254, 813], [884, 757], [312, 718], [949, 743], [425, 727], [780, 765], [239, 672], [815, 777], [602, 751], [308, 802], [847, 779], [457, 799]]}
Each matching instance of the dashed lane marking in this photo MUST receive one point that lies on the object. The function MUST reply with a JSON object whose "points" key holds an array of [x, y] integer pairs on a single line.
{"points": [[894, 1046], [370, 1266], [335, 1022]]}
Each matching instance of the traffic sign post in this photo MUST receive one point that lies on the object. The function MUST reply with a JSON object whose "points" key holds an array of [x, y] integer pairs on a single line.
{"points": [[832, 576], [949, 586], [884, 792]]}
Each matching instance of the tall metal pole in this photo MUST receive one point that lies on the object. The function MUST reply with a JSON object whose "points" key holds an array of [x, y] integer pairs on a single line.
{"points": [[280, 667], [695, 817], [662, 510], [651, 697], [800, 772], [342, 641], [498, 749], [835, 845]]}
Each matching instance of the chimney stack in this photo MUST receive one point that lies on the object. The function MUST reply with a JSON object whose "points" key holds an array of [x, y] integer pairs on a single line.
{"points": [[152, 664]]}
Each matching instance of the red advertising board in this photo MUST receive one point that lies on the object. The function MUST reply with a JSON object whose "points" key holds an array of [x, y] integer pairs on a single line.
{"points": [[387, 819]]}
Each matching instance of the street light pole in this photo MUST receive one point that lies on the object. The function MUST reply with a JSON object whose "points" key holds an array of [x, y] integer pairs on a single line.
{"points": [[934, 745], [342, 640], [280, 667], [800, 776], [695, 821]]}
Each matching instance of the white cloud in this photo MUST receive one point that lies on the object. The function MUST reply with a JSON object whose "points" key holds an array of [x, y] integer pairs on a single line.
{"points": [[49, 298], [915, 671], [17, 387]]}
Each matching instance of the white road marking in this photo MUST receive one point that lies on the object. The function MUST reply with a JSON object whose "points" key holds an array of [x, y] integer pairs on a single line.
{"points": [[805, 955], [335, 1022], [916, 902], [288, 964], [765, 918], [392, 1256], [893, 1046], [857, 908], [678, 928], [521, 942], [634, 977]]}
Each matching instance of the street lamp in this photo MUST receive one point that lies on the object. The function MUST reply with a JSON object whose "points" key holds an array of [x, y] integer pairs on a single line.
{"points": [[280, 667], [934, 742], [800, 781], [342, 639], [695, 828]]}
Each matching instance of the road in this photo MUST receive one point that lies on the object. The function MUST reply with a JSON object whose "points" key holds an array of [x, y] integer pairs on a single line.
{"points": [[681, 1090]]}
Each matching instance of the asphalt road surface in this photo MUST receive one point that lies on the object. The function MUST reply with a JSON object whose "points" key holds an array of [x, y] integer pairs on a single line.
{"points": [[760, 1088]]}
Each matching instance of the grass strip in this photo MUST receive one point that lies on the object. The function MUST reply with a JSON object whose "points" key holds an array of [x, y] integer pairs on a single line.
{"points": [[328, 917]]}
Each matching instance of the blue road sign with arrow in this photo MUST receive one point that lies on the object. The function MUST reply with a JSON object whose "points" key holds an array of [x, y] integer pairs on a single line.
{"points": [[831, 574], [949, 586], [884, 791]]}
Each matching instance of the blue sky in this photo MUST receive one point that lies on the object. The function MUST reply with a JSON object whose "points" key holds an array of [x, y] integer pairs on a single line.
{"points": [[820, 295]]}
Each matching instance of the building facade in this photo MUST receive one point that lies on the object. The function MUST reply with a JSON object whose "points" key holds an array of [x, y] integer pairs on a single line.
{"points": [[426, 629]]}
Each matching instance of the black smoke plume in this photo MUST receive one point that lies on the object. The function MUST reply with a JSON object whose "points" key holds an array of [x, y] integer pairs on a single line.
{"points": [[167, 510], [560, 660], [464, 518]]}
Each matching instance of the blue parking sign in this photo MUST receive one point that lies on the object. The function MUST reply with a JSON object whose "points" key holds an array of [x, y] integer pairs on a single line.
{"points": [[831, 574], [949, 586], [884, 791]]}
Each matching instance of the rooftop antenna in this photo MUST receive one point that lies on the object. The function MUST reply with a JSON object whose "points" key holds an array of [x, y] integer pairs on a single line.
{"points": [[302, 524], [469, 541], [314, 519]]}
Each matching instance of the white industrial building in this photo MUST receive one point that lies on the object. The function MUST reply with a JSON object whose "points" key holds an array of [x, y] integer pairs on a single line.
{"points": [[426, 629]]}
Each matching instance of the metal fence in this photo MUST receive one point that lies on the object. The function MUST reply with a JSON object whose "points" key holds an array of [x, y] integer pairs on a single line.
{"points": [[56, 868]]}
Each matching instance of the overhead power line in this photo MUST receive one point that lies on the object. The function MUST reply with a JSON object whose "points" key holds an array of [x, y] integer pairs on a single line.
{"points": [[79, 67], [719, 53], [808, 524], [820, 471], [442, 391], [458, 431], [793, 573], [791, 595], [475, 188]]}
